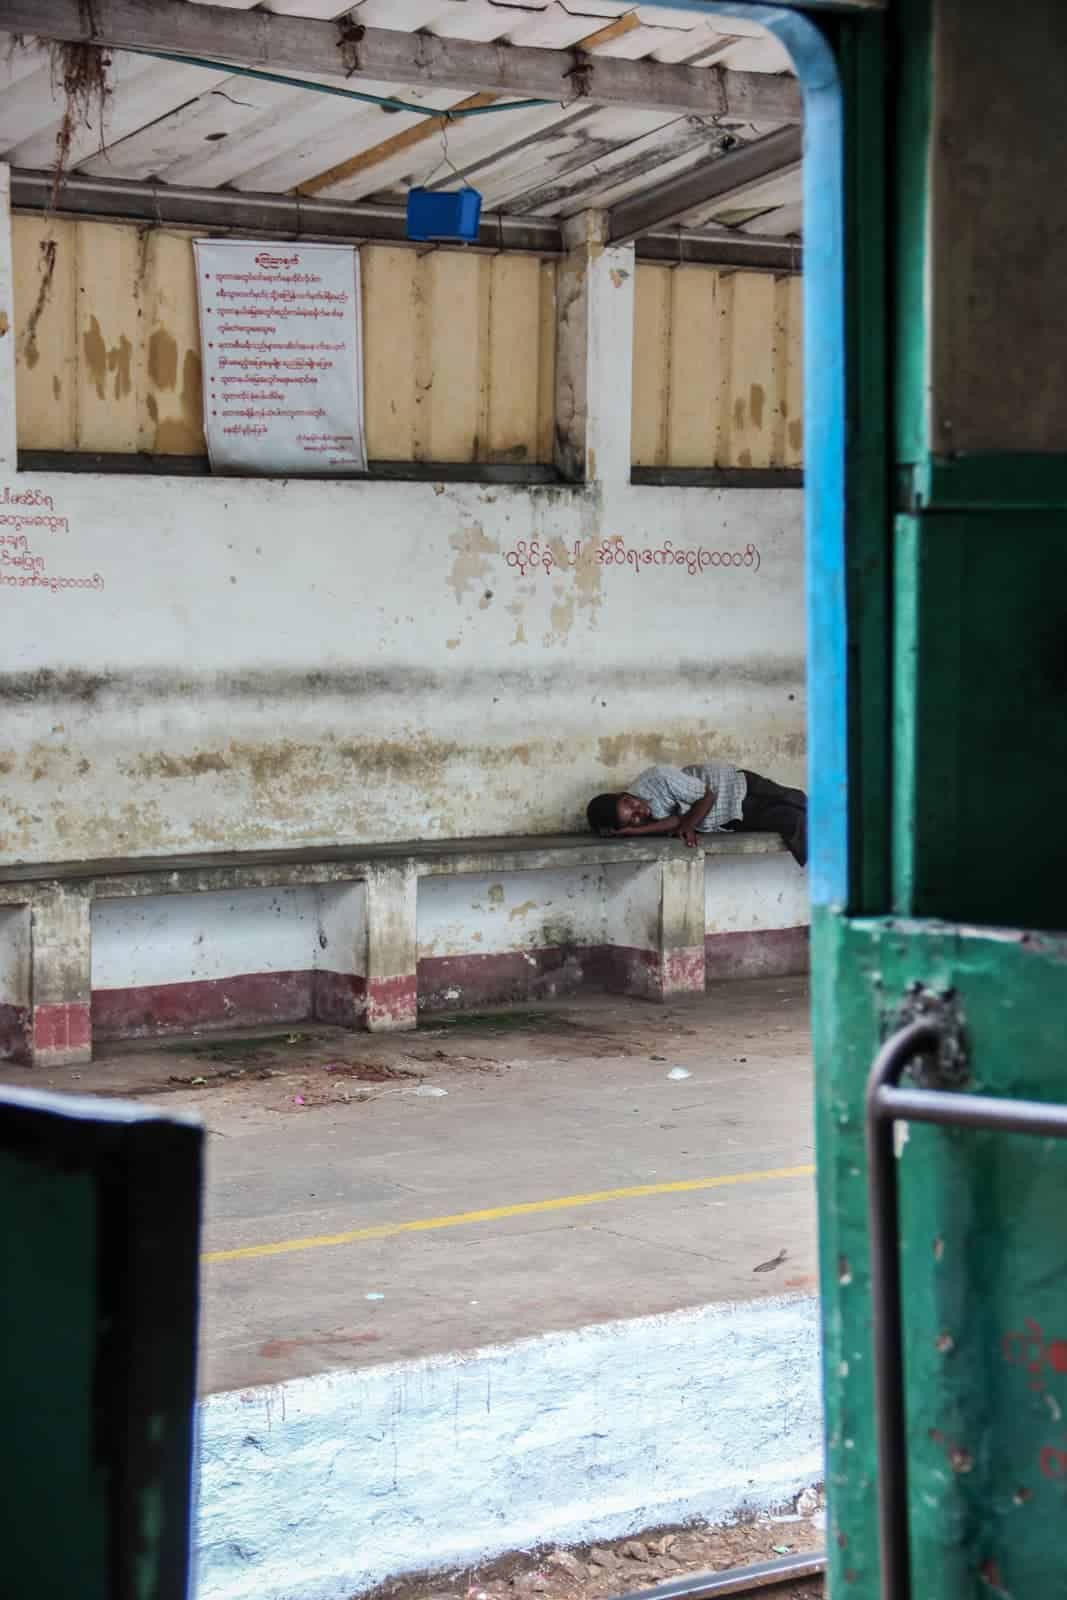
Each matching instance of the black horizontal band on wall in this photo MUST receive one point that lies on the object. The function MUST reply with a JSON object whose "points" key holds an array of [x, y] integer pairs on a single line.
{"points": [[502, 472], [718, 477], [492, 472]]}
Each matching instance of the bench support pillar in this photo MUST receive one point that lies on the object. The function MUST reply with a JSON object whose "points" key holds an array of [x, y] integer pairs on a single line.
{"points": [[61, 1030], [392, 949], [681, 961]]}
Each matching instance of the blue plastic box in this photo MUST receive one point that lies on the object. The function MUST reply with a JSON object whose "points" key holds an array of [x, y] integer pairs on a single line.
{"points": [[443, 214]]}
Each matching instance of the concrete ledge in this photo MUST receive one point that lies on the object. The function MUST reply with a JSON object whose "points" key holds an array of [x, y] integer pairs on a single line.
{"points": [[256, 869]]}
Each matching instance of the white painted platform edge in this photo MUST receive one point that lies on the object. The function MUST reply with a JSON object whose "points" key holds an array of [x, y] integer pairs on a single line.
{"points": [[323, 1487]]}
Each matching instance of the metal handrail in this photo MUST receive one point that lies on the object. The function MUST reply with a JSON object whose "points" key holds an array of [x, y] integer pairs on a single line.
{"points": [[737, 1580], [887, 1105]]}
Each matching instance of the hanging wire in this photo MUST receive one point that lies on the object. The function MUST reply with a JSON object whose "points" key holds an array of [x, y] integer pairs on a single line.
{"points": [[386, 101], [446, 159]]}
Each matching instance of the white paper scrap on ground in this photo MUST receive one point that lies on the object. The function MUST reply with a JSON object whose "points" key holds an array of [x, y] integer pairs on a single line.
{"points": [[280, 333]]}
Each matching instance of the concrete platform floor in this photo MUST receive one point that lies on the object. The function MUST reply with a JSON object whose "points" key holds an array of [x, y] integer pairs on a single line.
{"points": [[373, 1198]]}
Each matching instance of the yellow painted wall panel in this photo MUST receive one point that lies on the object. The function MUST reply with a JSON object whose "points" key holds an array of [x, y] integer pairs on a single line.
{"points": [[45, 349], [515, 358], [544, 444], [718, 377], [753, 377], [389, 323], [452, 364], [108, 335], [652, 365], [171, 419], [694, 395]]}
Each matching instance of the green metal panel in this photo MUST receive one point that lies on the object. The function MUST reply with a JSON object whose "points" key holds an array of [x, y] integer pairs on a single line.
{"points": [[50, 1299], [992, 481], [98, 1258], [984, 1260], [975, 630], [980, 737]]}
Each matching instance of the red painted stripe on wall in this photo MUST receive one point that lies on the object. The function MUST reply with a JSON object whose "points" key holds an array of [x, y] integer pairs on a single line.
{"points": [[445, 983], [245, 1000], [766, 953]]}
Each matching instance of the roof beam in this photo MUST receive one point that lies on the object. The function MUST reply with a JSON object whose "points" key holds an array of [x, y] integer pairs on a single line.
{"points": [[672, 201], [292, 216], [344, 50]]}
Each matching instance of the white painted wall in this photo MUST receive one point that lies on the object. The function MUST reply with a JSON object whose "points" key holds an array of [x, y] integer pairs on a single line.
{"points": [[325, 1486], [182, 938], [632, 907], [342, 933], [312, 662], [522, 911], [747, 893]]}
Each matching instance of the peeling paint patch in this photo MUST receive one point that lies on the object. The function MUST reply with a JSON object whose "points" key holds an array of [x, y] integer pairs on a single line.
{"points": [[474, 551]]}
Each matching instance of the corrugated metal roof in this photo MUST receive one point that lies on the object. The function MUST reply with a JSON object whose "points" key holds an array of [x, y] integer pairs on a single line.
{"points": [[212, 128]]}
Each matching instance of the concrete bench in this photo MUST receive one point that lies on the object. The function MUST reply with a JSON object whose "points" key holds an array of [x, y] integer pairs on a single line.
{"points": [[46, 996]]}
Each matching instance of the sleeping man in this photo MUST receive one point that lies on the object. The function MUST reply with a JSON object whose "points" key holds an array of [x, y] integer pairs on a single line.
{"points": [[705, 797]]}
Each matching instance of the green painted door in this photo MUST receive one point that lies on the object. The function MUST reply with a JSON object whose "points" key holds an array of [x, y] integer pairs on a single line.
{"points": [[98, 1259], [954, 871]]}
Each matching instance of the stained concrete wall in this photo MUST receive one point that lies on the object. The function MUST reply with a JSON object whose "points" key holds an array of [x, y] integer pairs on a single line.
{"points": [[14, 976], [566, 1438], [754, 892], [171, 963], [225, 664], [194, 937], [524, 911]]}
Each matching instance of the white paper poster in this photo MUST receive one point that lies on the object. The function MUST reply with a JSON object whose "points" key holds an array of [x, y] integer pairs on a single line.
{"points": [[283, 357]]}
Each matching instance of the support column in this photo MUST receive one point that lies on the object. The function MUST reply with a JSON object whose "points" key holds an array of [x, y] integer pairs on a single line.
{"points": [[681, 925], [8, 440], [61, 1030], [594, 354], [392, 949]]}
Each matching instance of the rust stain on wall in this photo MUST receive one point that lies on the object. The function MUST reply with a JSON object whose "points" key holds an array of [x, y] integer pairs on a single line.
{"points": [[46, 273], [755, 404], [162, 765], [102, 361], [183, 435], [614, 749], [163, 359]]}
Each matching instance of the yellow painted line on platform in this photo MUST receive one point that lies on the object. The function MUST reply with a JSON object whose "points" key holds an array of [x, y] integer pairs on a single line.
{"points": [[526, 1208]]}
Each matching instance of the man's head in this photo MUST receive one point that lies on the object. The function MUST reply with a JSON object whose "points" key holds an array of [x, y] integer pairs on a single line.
{"points": [[607, 812]]}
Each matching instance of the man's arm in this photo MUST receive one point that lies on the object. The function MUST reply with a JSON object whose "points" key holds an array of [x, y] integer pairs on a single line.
{"points": [[664, 825], [684, 826], [689, 824]]}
